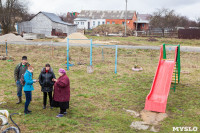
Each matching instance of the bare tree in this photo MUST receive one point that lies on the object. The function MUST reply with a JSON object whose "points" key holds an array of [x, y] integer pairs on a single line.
{"points": [[11, 11], [164, 19]]}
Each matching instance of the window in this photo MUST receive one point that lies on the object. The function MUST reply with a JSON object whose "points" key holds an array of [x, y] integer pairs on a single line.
{"points": [[93, 23], [103, 22], [78, 23], [108, 22], [113, 22], [82, 23], [98, 22], [143, 25], [123, 23]]}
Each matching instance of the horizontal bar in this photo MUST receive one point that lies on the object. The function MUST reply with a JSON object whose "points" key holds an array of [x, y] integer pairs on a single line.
{"points": [[79, 39], [171, 44], [104, 45]]}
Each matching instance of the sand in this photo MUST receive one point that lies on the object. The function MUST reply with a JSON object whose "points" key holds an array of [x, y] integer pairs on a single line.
{"points": [[11, 38], [77, 35]]}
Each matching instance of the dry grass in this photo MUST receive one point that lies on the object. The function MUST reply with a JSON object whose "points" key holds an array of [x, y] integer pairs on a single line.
{"points": [[98, 99]]}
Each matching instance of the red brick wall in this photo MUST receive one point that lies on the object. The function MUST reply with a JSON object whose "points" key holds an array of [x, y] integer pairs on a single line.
{"points": [[120, 21], [130, 23]]}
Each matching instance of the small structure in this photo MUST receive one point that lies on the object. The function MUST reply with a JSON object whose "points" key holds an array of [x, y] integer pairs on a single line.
{"points": [[48, 24]]}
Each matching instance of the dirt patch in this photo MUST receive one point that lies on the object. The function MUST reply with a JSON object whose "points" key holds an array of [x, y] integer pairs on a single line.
{"points": [[11, 38], [152, 118], [106, 42]]}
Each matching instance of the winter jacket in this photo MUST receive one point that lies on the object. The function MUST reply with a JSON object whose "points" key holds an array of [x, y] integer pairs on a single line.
{"points": [[45, 80], [19, 70], [28, 81], [62, 89]]}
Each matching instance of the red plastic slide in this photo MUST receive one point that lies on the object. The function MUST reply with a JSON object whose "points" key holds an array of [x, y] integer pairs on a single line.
{"points": [[157, 98]]}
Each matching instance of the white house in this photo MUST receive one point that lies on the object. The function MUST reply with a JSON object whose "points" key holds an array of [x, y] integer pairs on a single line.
{"points": [[48, 24], [89, 19], [84, 23]]}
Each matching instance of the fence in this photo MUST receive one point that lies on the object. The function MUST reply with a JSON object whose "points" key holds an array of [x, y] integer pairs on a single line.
{"points": [[4, 48], [189, 34]]}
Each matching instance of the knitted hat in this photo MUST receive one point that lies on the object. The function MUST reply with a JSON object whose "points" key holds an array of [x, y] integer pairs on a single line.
{"points": [[62, 71]]}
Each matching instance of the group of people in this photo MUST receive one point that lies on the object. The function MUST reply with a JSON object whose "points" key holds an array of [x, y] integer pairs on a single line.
{"points": [[58, 90]]}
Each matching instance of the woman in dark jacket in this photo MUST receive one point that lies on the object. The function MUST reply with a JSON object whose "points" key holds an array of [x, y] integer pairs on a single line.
{"points": [[45, 80], [61, 94]]}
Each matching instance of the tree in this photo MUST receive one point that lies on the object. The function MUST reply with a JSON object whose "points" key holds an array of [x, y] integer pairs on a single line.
{"points": [[164, 19], [11, 11]]}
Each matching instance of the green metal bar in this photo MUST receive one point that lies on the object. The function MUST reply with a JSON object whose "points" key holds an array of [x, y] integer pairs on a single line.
{"points": [[175, 80], [172, 44], [164, 52]]}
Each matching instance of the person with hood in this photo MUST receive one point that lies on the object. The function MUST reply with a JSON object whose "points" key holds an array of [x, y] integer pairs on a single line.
{"points": [[20, 69], [61, 96], [46, 82]]}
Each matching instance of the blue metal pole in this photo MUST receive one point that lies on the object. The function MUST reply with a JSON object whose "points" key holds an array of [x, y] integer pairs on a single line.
{"points": [[90, 52], [116, 49], [6, 48], [18, 28], [67, 53]]}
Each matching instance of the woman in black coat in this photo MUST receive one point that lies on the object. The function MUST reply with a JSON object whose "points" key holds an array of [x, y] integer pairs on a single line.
{"points": [[46, 83]]}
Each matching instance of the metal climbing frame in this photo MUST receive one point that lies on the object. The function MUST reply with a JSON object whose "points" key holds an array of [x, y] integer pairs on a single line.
{"points": [[68, 65], [101, 45], [177, 70]]}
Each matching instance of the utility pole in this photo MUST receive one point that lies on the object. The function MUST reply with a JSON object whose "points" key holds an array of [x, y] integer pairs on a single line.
{"points": [[126, 18]]}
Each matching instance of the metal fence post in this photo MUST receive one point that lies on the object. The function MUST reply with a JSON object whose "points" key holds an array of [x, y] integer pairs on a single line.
{"points": [[116, 50], [90, 52], [102, 54], [67, 53], [6, 48]]}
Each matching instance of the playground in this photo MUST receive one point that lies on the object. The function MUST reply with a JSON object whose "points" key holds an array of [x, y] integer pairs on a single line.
{"points": [[99, 100]]}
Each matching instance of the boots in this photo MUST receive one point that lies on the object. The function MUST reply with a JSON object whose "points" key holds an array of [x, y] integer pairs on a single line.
{"points": [[19, 100]]}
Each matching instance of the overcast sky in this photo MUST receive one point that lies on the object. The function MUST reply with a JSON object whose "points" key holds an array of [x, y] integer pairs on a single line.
{"points": [[189, 8]]}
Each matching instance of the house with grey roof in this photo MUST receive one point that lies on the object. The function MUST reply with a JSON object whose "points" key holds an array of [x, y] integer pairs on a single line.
{"points": [[47, 23], [89, 19]]}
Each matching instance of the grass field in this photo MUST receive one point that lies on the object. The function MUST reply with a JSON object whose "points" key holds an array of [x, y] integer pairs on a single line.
{"points": [[98, 99], [132, 40]]}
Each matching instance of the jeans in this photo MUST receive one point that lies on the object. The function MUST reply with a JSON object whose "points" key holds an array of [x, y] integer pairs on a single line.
{"points": [[45, 98], [28, 95], [19, 88]]}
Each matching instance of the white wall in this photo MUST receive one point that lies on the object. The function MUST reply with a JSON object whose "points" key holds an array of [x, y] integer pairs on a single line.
{"points": [[41, 24], [96, 22], [83, 24]]}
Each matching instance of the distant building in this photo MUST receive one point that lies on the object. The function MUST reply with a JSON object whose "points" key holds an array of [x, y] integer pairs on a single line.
{"points": [[71, 16], [89, 19], [48, 24]]}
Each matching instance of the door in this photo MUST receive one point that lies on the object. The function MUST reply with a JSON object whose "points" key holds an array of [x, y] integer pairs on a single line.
{"points": [[88, 25]]}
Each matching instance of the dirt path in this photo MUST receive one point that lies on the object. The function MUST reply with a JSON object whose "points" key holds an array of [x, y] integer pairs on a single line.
{"points": [[183, 48]]}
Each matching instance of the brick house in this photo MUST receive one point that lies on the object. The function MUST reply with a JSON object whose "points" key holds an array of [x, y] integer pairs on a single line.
{"points": [[89, 19], [71, 16]]}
